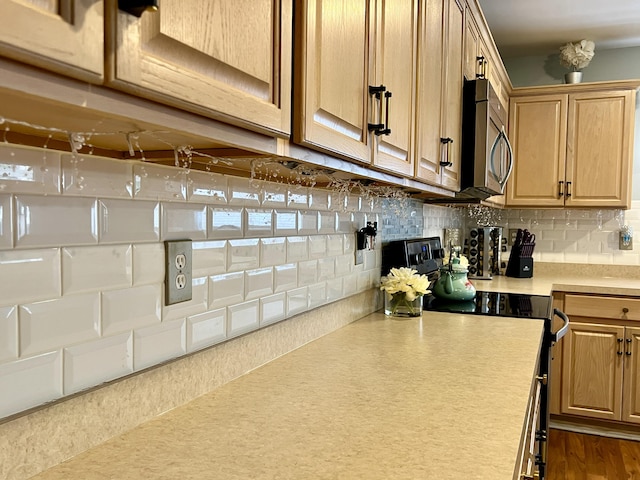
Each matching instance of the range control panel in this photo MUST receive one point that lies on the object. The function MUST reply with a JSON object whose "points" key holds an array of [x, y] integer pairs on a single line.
{"points": [[422, 254]]}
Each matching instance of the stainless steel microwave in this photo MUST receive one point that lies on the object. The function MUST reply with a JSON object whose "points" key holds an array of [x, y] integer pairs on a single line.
{"points": [[486, 154]]}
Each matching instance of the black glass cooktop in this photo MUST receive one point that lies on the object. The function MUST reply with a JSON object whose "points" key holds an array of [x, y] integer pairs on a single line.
{"points": [[497, 304]]}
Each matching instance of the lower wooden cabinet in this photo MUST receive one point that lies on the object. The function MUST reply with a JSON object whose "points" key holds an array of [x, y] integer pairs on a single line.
{"points": [[601, 359]]}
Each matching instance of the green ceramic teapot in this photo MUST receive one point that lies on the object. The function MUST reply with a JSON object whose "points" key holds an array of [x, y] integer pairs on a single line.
{"points": [[453, 283]]}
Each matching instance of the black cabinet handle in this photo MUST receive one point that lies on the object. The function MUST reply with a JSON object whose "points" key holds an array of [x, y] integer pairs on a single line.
{"points": [[619, 351], [568, 189], [385, 130], [138, 7], [482, 62], [627, 349], [380, 128], [446, 141], [377, 93], [560, 189]]}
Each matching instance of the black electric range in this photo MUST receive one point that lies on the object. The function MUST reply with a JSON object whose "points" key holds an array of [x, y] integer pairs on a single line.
{"points": [[496, 304]]}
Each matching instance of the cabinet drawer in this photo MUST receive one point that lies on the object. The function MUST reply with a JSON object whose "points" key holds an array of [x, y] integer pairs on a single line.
{"points": [[617, 308]]}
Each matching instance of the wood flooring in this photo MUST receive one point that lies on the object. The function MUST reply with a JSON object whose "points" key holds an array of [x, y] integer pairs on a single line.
{"points": [[577, 456]]}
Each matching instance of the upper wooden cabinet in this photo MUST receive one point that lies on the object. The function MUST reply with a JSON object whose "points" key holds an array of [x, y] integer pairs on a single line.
{"points": [[439, 100], [345, 49], [572, 145], [64, 36], [226, 59]]}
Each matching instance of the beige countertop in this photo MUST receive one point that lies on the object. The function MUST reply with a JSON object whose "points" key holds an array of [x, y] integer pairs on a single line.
{"points": [[546, 282], [438, 397], [443, 396]]}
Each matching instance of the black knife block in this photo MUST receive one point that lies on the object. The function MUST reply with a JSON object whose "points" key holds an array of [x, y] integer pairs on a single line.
{"points": [[520, 267]]}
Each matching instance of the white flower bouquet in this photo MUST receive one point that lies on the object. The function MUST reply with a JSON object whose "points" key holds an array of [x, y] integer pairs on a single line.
{"points": [[404, 288], [577, 55]]}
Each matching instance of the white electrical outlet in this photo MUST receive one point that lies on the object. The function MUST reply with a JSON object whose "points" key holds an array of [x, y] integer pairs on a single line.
{"points": [[178, 276]]}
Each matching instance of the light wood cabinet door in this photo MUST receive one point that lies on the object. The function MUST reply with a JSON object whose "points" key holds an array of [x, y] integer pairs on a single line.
{"points": [[396, 40], [631, 393], [538, 133], [599, 149], [332, 77], [430, 101], [471, 43], [226, 59], [592, 371], [65, 36], [453, 97]]}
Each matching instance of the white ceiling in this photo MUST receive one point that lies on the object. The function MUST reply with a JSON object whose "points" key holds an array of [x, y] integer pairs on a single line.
{"points": [[538, 27]]}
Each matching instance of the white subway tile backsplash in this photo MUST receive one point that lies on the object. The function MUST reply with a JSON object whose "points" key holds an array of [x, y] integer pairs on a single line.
{"points": [[326, 222], [326, 268], [30, 382], [243, 318], [197, 304], [82, 175], [297, 249], [52, 221], [352, 203], [183, 221], [334, 290], [317, 246], [35, 275], [159, 182], [317, 294], [285, 277], [6, 221], [335, 245], [226, 289], [207, 187], [307, 272], [369, 259], [307, 222], [286, 222], [209, 257], [123, 221], [298, 197], [258, 283], [273, 251], [159, 343], [226, 223], [319, 199], [344, 223], [259, 223], [349, 243], [262, 252], [29, 170], [272, 308], [206, 329], [92, 363], [344, 264], [8, 333], [55, 323], [243, 254], [79, 272], [297, 301], [273, 195], [131, 308], [243, 192], [148, 263]]}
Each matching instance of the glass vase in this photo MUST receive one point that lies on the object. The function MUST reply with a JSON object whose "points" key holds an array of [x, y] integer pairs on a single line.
{"points": [[397, 305]]}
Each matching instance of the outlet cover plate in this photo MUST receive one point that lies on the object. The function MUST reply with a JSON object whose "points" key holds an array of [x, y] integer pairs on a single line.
{"points": [[178, 271]]}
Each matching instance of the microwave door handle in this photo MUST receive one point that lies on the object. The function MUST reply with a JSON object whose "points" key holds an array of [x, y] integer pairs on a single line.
{"points": [[497, 146], [502, 136]]}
